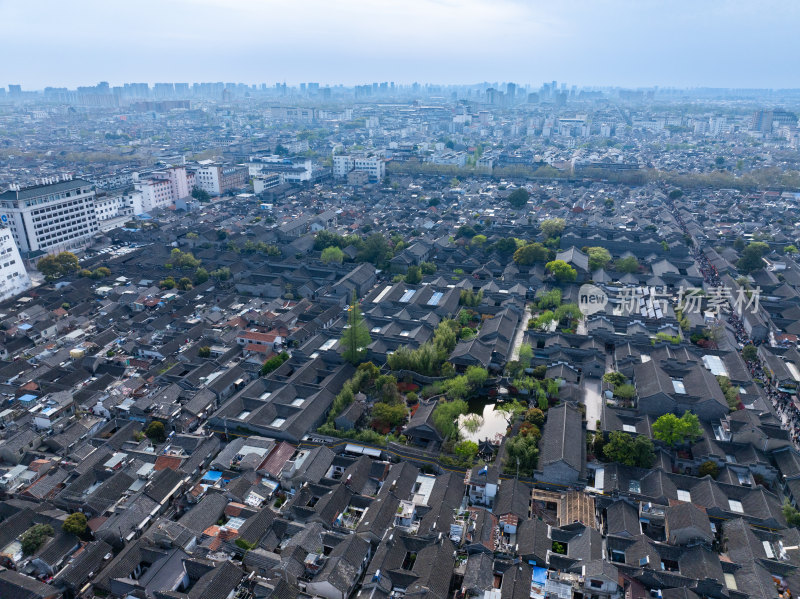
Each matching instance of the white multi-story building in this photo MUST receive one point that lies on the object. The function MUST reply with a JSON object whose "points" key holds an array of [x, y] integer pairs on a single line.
{"points": [[50, 217], [114, 208], [217, 179], [162, 188], [14, 278], [264, 181], [375, 166]]}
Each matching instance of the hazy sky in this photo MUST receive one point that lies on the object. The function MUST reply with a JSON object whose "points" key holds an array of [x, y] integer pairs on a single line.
{"points": [[685, 43]]}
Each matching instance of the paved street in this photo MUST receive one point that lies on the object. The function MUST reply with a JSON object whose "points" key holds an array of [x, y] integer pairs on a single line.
{"points": [[593, 400], [520, 335]]}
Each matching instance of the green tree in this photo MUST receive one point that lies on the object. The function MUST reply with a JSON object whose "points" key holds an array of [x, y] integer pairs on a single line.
{"points": [[168, 283], [750, 352], [59, 265], [204, 352], [68, 262], [200, 194], [552, 227], [390, 415], [730, 391], [561, 270], [522, 455], [273, 363], [325, 239], [427, 268], [535, 416], [598, 257], [179, 259], [445, 415], [708, 468], [470, 299], [376, 250], [614, 378], [549, 300], [505, 246], [466, 450], [518, 198], [355, 337], [49, 267], [332, 254], [626, 450], [221, 274], [156, 432], [457, 387], [791, 514], [628, 264], [531, 254], [414, 275], [566, 313], [525, 355], [675, 194], [465, 231], [34, 537], [476, 376], [791, 250], [752, 257], [75, 524], [200, 276], [670, 429], [625, 391], [184, 284]]}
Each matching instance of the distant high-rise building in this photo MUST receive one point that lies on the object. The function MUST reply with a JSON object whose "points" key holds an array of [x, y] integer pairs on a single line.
{"points": [[764, 120], [14, 91], [511, 92]]}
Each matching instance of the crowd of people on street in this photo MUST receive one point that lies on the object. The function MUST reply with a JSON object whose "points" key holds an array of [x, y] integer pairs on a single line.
{"points": [[784, 404]]}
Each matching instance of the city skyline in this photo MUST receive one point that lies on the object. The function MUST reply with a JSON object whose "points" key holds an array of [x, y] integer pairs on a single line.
{"points": [[616, 43]]}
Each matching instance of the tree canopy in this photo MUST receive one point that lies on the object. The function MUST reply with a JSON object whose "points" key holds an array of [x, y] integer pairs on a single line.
{"points": [[376, 250], [332, 254], [629, 264], [598, 257], [34, 537], [552, 227], [156, 432], [670, 429], [75, 524], [752, 257], [200, 194], [414, 275], [531, 254], [355, 337], [629, 451], [58, 265], [518, 198], [561, 270]]}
